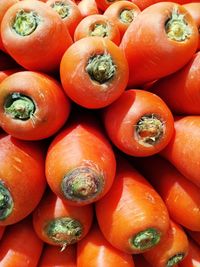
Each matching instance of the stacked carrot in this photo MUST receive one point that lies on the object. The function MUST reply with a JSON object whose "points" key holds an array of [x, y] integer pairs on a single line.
{"points": [[99, 133]]}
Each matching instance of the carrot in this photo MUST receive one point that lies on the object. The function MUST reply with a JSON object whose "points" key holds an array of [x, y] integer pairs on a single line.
{"points": [[195, 235], [60, 224], [26, 31], [4, 74], [139, 123], [194, 10], [20, 245], [80, 163], [182, 150], [33, 105], [122, 14], [95, 250], [104, 4], [132, 216], [95, 76], [180, 90], [160, 41], [140, 261], [180, 195], [88, 7], [171, 250], [4, 6], [2, 230], [22, 181], [97, 25], [69, 13], [52, 256], [193, 257]]}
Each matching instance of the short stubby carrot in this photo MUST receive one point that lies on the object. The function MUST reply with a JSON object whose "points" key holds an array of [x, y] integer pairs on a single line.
{"points": [[4, 6], [182, 150], [88, 7], [160, 41], [33, 105], [122, 13], [22, 178], [52, 256], [139, 123], [193, 257], [180, 90], [34, 35], [171, 250], [80, 163], [20, 245], [98, 25], [194, 9], [181, 196], [60, 224], [95, 250], [95, 76], [69, 13], [132, 216]]}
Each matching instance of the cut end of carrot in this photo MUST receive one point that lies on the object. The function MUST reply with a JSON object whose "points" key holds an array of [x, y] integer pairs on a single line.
{"points": [[19, 106], [82, 184], [145, 240], [64, 231], [6, 202], [127, 16], [63, 9], [149, 130], [101, 68], [175, 259], [25, 22], [99, 29]]}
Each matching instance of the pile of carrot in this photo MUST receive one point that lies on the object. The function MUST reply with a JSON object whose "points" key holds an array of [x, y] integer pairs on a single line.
{"points": [[99, 133]]}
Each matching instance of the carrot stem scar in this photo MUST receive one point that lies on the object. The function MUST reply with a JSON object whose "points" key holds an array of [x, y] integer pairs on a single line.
{"points": [[6, 202]]}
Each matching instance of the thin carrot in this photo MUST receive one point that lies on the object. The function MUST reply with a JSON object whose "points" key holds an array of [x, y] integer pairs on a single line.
{"points": [[80, 162], [60, 224], [20, 246], [181, 196], [193, 257], [132, 216], [139, 123], [52, 256], [95, 250], [171, 250]]}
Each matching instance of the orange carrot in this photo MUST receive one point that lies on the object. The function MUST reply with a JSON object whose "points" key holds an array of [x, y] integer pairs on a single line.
{"points": [[193, 257], [88, 7]]}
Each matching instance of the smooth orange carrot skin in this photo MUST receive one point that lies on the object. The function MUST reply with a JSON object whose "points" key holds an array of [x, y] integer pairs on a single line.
{"points": [[193, 257], [194, 9], [181, 196], [180, 90], [171, 250], [33, 45], [88, 7], [139, 123], [182, 150], [104, 4], [122, 13], [85, 162], [95, 250], [22, 175], [4, 74], [52, 256], [49, 106], [4, 6], [60, 224], [98, 25], [2, 230], [20, 246], [150, 59], [100, 75], [69, 13], [132, 216]]}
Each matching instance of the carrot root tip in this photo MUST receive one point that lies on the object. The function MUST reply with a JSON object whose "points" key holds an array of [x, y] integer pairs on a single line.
{"points": [[101, 68], [82, 184], [145, 239], [149, 130], [6, 202], [175, 259], [19, 106], [25, 23], [127, 16], [177, 28], [61, 8], [64, 231]]}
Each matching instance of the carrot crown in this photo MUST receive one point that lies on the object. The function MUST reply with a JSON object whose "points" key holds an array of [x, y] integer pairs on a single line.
{"points": [[63, 9], [127, 15], [175, 259], [6, 202]]}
